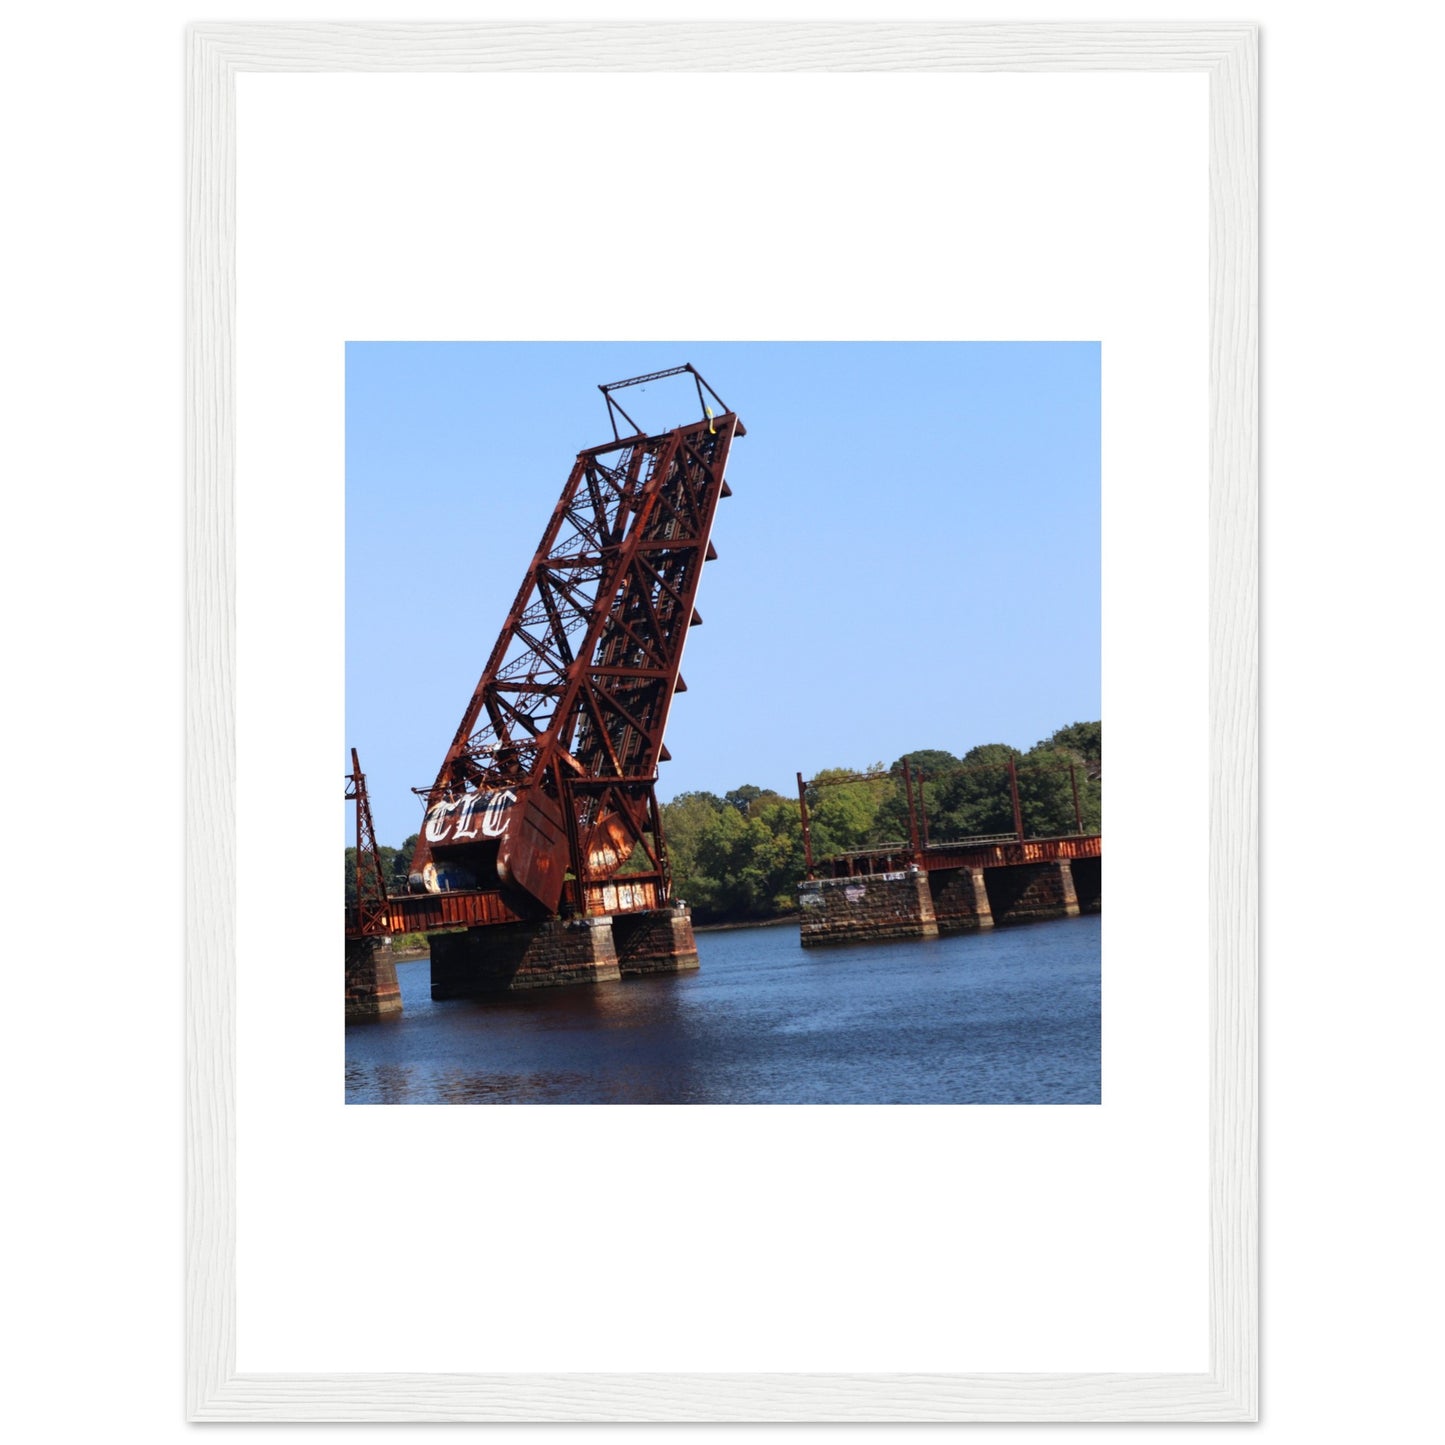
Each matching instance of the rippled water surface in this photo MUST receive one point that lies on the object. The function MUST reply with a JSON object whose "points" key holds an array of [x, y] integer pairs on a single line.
{"points": [[1009, 1016]]}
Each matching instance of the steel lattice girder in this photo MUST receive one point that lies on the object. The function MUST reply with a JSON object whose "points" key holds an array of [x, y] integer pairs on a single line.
{"points": [[552, 767], [370, 915]]}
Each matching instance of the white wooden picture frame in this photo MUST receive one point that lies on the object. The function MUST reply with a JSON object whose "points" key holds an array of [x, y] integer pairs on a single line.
{"points": [[216, 1391]]}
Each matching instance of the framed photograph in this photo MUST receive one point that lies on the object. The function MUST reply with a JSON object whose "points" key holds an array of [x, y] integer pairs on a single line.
{"points": [[965, 316]]}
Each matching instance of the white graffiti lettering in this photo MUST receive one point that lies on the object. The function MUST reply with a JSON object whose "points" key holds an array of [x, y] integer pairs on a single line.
{"points": [[488, 810], [464, 817], [438, 820], [494, 818]]}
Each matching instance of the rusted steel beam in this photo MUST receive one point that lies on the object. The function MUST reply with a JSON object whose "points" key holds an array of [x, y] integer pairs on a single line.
{"points": [[912, 821], [996, 851], [548, 785], [1013, 785], [613, 405], [472, 908], [807, 831], [368, 918]]}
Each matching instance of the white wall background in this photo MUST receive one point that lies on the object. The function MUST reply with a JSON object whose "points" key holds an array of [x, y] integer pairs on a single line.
{"points": [[91, 104]]}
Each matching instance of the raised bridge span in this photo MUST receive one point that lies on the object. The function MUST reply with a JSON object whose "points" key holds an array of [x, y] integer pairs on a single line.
{"points": [[542, 840]]}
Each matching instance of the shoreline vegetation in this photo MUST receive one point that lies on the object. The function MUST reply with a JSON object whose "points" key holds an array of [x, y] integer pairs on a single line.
{"points": [[736, 859]]}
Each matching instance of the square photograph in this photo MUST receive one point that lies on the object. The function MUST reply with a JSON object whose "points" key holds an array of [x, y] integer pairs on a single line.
{"points": [[853, 855]]}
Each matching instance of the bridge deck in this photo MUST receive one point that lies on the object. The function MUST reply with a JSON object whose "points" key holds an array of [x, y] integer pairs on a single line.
{"points": [[994, 851], [481, 907]]}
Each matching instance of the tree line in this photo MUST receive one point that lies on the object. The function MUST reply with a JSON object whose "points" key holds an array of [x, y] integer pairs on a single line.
{"points": [[738, 857]]}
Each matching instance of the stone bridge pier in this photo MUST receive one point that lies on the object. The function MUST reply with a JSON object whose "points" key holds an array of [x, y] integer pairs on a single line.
{"points": [[951, 888], [960, 900], [1029, 892], [875, 905], [508, 957], [371, 987]]}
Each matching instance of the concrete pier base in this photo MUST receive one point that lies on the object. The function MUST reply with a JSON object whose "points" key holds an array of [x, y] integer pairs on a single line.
{"points": [[872, 906], [510, 956], [371, 987], [960, 900], [658, 941], [1032, 891]]}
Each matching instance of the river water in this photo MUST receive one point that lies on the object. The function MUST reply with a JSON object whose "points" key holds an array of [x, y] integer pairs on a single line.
{"points": [[1007, 1016]]}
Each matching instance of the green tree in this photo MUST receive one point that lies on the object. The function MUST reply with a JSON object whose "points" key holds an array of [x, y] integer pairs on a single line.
{"points": [[843, 808], [930, 764], [732, 857], [741, 798], [732, 865], [784, 821], [1084, 740], [686, 820], [1046, 791], [1046, 796], [401, 865], [975, 800]]}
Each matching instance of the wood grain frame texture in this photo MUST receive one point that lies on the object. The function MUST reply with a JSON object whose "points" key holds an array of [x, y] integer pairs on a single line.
{"points": [[215, 1391]]}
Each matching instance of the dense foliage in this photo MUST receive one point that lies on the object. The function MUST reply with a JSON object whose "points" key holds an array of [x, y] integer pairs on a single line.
{"points": [[738, 857], [394, 865]]}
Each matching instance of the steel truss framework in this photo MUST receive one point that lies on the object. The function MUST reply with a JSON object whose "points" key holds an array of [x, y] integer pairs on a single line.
{"points": [[548, 785], [370, 914]]}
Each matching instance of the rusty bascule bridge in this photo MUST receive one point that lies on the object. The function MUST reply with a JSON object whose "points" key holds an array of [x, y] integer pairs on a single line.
{"points": [[541, 858]]}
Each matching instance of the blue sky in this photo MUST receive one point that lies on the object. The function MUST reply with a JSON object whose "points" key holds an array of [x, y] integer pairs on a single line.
{"points": [[910, 558]]}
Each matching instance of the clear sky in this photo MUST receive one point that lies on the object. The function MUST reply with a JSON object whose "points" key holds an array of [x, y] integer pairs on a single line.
{"points": [[910, 558]]}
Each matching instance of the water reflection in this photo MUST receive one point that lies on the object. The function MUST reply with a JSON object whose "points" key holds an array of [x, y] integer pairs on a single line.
{"points": [[1006, 1017]]}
